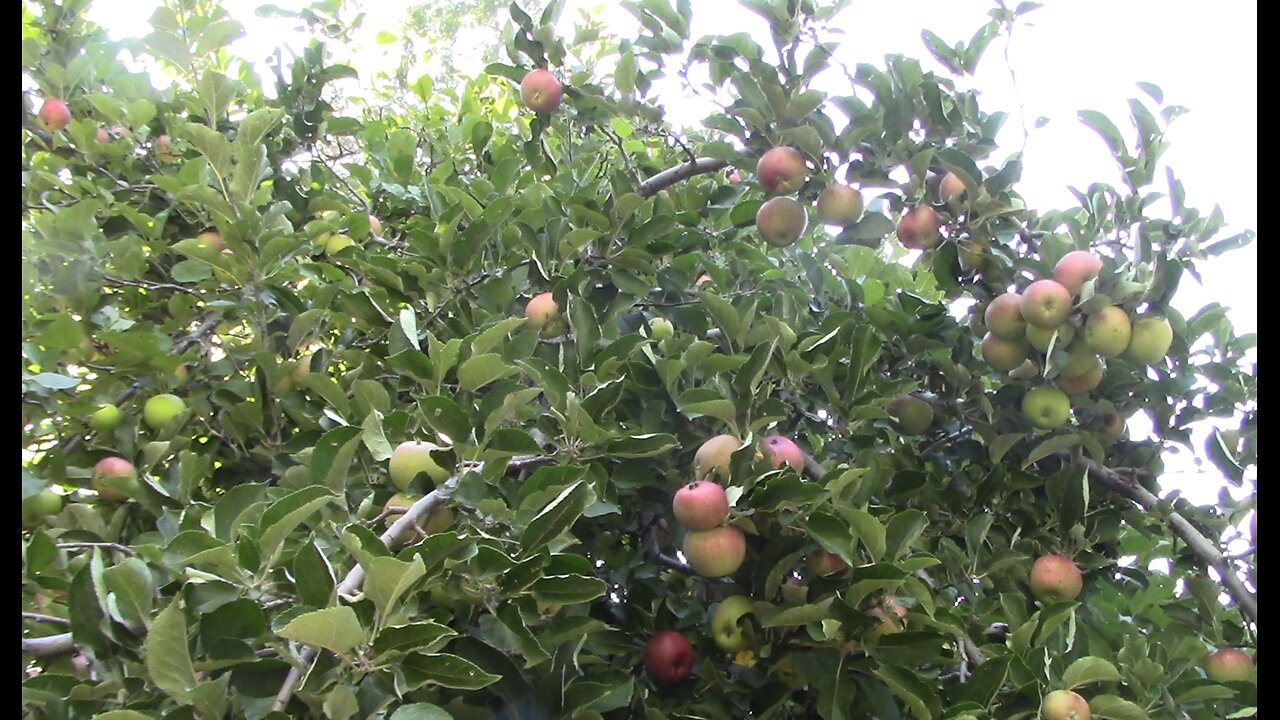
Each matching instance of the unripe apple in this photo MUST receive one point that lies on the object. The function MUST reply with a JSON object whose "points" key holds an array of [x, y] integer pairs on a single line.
{"points": [[1064, 705], [1045, 303], [668, 656], [337, 242], [725, 628], [918, 228], [1108, 332], [974, 255], [162, 409], [1040, 337], [781, 221], [413, 457], [660, 329], [1080, 360], [717, 552], [113, 467], [913, 414], [121, 131], [1055, 579], [1004, 317], [1002, 354], [781, 170], [1081, 384], [106, 418], [541, 91], [375, 226], [1075, 269], [700, 505], [543, 314], [891, 615], [823, 562], [951, 189], [714, 455], [1227, 664], [840, 205], [1150, 341], [54, 115], [733, 177], [1110, 427], [779, 450], [35, 508], [1046, 407]]}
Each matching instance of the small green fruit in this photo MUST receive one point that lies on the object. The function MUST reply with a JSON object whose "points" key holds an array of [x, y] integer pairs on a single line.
{"points": [[35, 508], [161, 410], [106, 418]]}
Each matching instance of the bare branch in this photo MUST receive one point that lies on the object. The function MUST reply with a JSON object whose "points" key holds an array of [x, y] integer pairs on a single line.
{"points": [[50, 619], [679, 173], [49, 646]]}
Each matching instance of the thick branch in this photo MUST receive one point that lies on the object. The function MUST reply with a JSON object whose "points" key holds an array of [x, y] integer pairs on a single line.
{"points": [[50, 646], [679, 173]]}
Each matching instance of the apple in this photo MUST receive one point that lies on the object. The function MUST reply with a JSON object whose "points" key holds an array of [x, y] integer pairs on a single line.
{"points": [[1075, 269], [212, 239], [1108, 331], [660, 329], [543, 314], [891, 622], [1064, 705], [413, 457], [700, 505], [1081, 384], [1149, 341], [733, 177], [726, 628], [336, 243], [1002, 354], [1046, 407], [1040, 337], [974, 255], [1045, 303], [713, 456], [702, 279], [1004, 317], [1080, 360], [163, 147], [918, 228], [113, 467], [823, 562], [36, 507], [779, 450], [840, 205], [437, 521], [717, 552], [160, 410], [181, 375], [1055, 579], [913, 414], [668, 656], [102, 136], [951, 189], [781, 170], [1227, 664], [106, 418], [302, 369], [1109, 427], [541, 91], [121, 131], [781, 221], [53, 115], [375, 226]]}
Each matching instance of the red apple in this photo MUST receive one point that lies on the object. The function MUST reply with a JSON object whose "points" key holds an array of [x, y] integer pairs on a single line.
{"points": [[781, 170], [781, 221], [102, 135], [668, 656], [700, 505], [1045, 303], [113, 467], [543, 314], [717, 552], [824, 562], [1227, 664], [541, 91], [53, 115], [1075, 269], [840, 205], [918, 228], [1002, 354], [1064, 705], [1055, 578], [779, 450], [1004, 317]]}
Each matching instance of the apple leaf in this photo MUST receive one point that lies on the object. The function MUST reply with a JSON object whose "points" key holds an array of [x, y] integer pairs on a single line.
{"points": [[1110, 707], [479, 370], [1088, 670], [420, 711], [800, 615], [556, 517], [425, 636], [568, 589], [336, 628], [168, 659], [285, 514], [445, 670]]}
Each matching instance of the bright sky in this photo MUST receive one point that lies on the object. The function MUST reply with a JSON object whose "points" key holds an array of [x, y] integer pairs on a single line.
{"points": [[1075, 55]]}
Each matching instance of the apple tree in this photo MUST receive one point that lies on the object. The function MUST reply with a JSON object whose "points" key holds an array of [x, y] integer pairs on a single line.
{"points": [[503, 396]]}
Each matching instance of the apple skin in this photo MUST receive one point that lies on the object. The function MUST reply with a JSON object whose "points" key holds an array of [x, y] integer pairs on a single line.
{"points": [[717, 552], [668, 656], [729, 636], [1064, 705], [1045, 303], [1004, 317], [102, 136], [543, 314], [780, 450], [336, 243], [914, 415], [1002, 354], [413, 457], [824, 562], [840, 205], [1150, 341], [1081, 384], [1075, 269], [35, 508], [781, 221], [113, 467], [700, 505], [1110, 427], [713, 456], [661, 329], [54, 115], [160, 410], [888, 625], [1040, 337], [1028, 370], [781, 170], [1227, 664], [1108, 332], [1055, 579], [1046, 407], [213, 239], [106, 418], [951, 189], [375, 226], [541, 91], [918, 228]]}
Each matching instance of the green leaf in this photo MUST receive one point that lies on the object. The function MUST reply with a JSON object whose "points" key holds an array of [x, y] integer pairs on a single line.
{"points": [[445, 670], [332, 457], [1088, 670], [167, 656], [902, 530], [1049, 447], [215, 148], [54, 381], [569, 589], [801, 615], [921, 699], [374, 438], [286, 514], [130, 586], [422, 636], [336, 628], [558, 516], [122, 715], [868, 530], [420, 711], [1110, 707], [480, 370], [387, 579], [446, 417]]}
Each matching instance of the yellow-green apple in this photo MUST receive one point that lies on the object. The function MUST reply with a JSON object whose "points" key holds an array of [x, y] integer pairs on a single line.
{"points": [[660, 329], [181, 375], [913, 414], [543, 314], [729, 635], [840, 205], [779, 450], [717, 552], [1064, 705], [781, 170], [162, 409], [1055, 579], [1046, 407], [541, 91], [212, 239], [951, 189], [781, 221], [1108, 331], [375, 226], [1045, 303], [700, 505], [36, 507], [1227, 664], [1075, 269], [823, 562], [668, 656], [1150, 340], [337, 242], [1080, 359], [1040, 337], [974, 255], [110, 475], [1004, 317], [1002, 354], [918, 228], [413, 457], [106, 418], [891, 615], [1081, 384], [54, 115], [1109, 427], [713, 456]]}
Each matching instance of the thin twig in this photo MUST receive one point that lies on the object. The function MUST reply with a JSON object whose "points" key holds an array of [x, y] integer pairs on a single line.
{"points": [[50, 619], [105, 545], [148, 285], [49, 646]]}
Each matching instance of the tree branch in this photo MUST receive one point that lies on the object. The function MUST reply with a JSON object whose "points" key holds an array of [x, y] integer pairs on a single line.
{"points": [[51, 619], [679, 173], [49, 646], [107, 546]]}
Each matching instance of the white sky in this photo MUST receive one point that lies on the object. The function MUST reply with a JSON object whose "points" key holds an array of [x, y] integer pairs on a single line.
{"points": [[1075, 55]]}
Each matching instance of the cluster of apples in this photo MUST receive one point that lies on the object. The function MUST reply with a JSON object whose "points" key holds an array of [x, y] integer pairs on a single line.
{"points": [[782, 219]]}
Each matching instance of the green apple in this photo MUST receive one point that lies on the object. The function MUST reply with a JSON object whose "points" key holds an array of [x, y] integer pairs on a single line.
{"points": [[726, 624], [1040, 337], [1045, 303], [951, 189], [660, 329], [1046, 407], [840, 205], [1150, 341], [35, 508], [1064, 705], [781, 221], [160, 410], [1108, 332], [411, 458], [913, 414], [717, 552], [106, 418], [713, 456], [336, 243]]}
